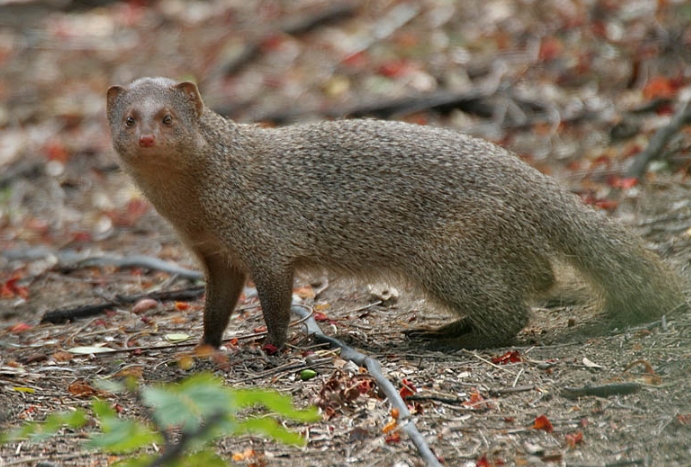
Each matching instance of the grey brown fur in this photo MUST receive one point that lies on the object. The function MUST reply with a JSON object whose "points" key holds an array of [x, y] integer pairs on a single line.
{"points": [[464, 219]]}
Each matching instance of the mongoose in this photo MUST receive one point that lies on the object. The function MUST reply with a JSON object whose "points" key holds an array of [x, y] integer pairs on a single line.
{"points": [[467, 221]]}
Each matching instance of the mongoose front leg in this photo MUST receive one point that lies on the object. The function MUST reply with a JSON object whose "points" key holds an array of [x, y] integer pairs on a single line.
{"points": [[223, 287], [275, 291]]}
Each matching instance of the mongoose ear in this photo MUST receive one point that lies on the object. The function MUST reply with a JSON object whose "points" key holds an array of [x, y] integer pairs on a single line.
{"points": [[113, 93], [192, 92]]}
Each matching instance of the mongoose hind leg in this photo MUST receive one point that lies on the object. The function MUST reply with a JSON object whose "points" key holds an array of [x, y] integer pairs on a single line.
{"points": [[493, 311], [443, 336], [448, 331], [461, 334]]}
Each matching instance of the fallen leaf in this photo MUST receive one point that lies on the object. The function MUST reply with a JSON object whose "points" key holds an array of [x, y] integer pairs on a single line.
{"points": [[204, 350], [307, 374], [589, 364], [177, 337], [512, 356], [390, 426], [10, 288], [19, 327], [61, 356], [573, 439], [182, 306], [543, 423], [185, 362], [131, 372], [393, 438], [550, 48], [143, 305], [91, 349], [476, 400], [407, 389], [81, 388], [658, 87], [684, 419], [319, 316]]}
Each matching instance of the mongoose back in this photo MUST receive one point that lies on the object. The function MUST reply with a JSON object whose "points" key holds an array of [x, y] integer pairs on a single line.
{"points": [[473, 226]]}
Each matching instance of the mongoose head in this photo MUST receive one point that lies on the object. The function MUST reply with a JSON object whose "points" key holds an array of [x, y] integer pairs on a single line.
{"points": [[154, 122]]}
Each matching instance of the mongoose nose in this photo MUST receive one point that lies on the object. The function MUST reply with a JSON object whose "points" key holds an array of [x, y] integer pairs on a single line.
{"points": [[146, 141]]}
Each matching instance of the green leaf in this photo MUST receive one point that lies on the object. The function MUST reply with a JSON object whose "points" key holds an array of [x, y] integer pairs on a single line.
{"points": [[278, 403], [111, 385], [270, 428], [119, 435], [74, 419], [35, 431], [187, 404], [139, 461], [207, 458], [123, 436], [103, 410], [307, 374]]}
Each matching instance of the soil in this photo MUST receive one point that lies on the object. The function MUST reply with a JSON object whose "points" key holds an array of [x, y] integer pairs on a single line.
{"points": [[574, 88]]}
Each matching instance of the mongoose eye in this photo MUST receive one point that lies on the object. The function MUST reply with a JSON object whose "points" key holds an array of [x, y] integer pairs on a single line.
{"points": [[129, 121], [167, 120]]}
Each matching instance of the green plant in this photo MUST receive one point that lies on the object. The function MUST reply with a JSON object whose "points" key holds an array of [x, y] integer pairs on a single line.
{"points": [[200, 408]]}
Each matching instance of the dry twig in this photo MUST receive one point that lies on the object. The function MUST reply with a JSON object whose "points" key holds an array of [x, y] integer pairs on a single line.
{"points": [[660, 139], [374, 368]]}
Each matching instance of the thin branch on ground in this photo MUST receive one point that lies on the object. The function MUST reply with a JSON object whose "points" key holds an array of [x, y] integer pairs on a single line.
{"points": [[374, 368], [70, 260], [660, 139], [63, 315], [601, 391]]}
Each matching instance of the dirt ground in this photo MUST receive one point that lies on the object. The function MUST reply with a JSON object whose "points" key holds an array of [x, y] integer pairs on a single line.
{"points": [[575, 88]]}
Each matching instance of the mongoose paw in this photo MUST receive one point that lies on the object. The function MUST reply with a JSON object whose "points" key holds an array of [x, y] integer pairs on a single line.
{"points": [[448, 331], [456, 335]]}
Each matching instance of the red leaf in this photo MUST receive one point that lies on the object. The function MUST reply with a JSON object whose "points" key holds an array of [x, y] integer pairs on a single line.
{"points": [[659, 87], [356, 60], [319, 316], [606, 204], [684, 419], [272, 42], [365, 386], [543, 423], [394, 68], [408, 389], [572, 439], [483, 462], [476, 400], [622, 182], [10, 289], [550, 48], [270, 349], [512, 356], [56, 151], [81, 236], [19, 327]]}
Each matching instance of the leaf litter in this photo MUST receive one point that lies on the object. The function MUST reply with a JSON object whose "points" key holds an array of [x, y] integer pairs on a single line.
{"points": [[575, 88]]}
